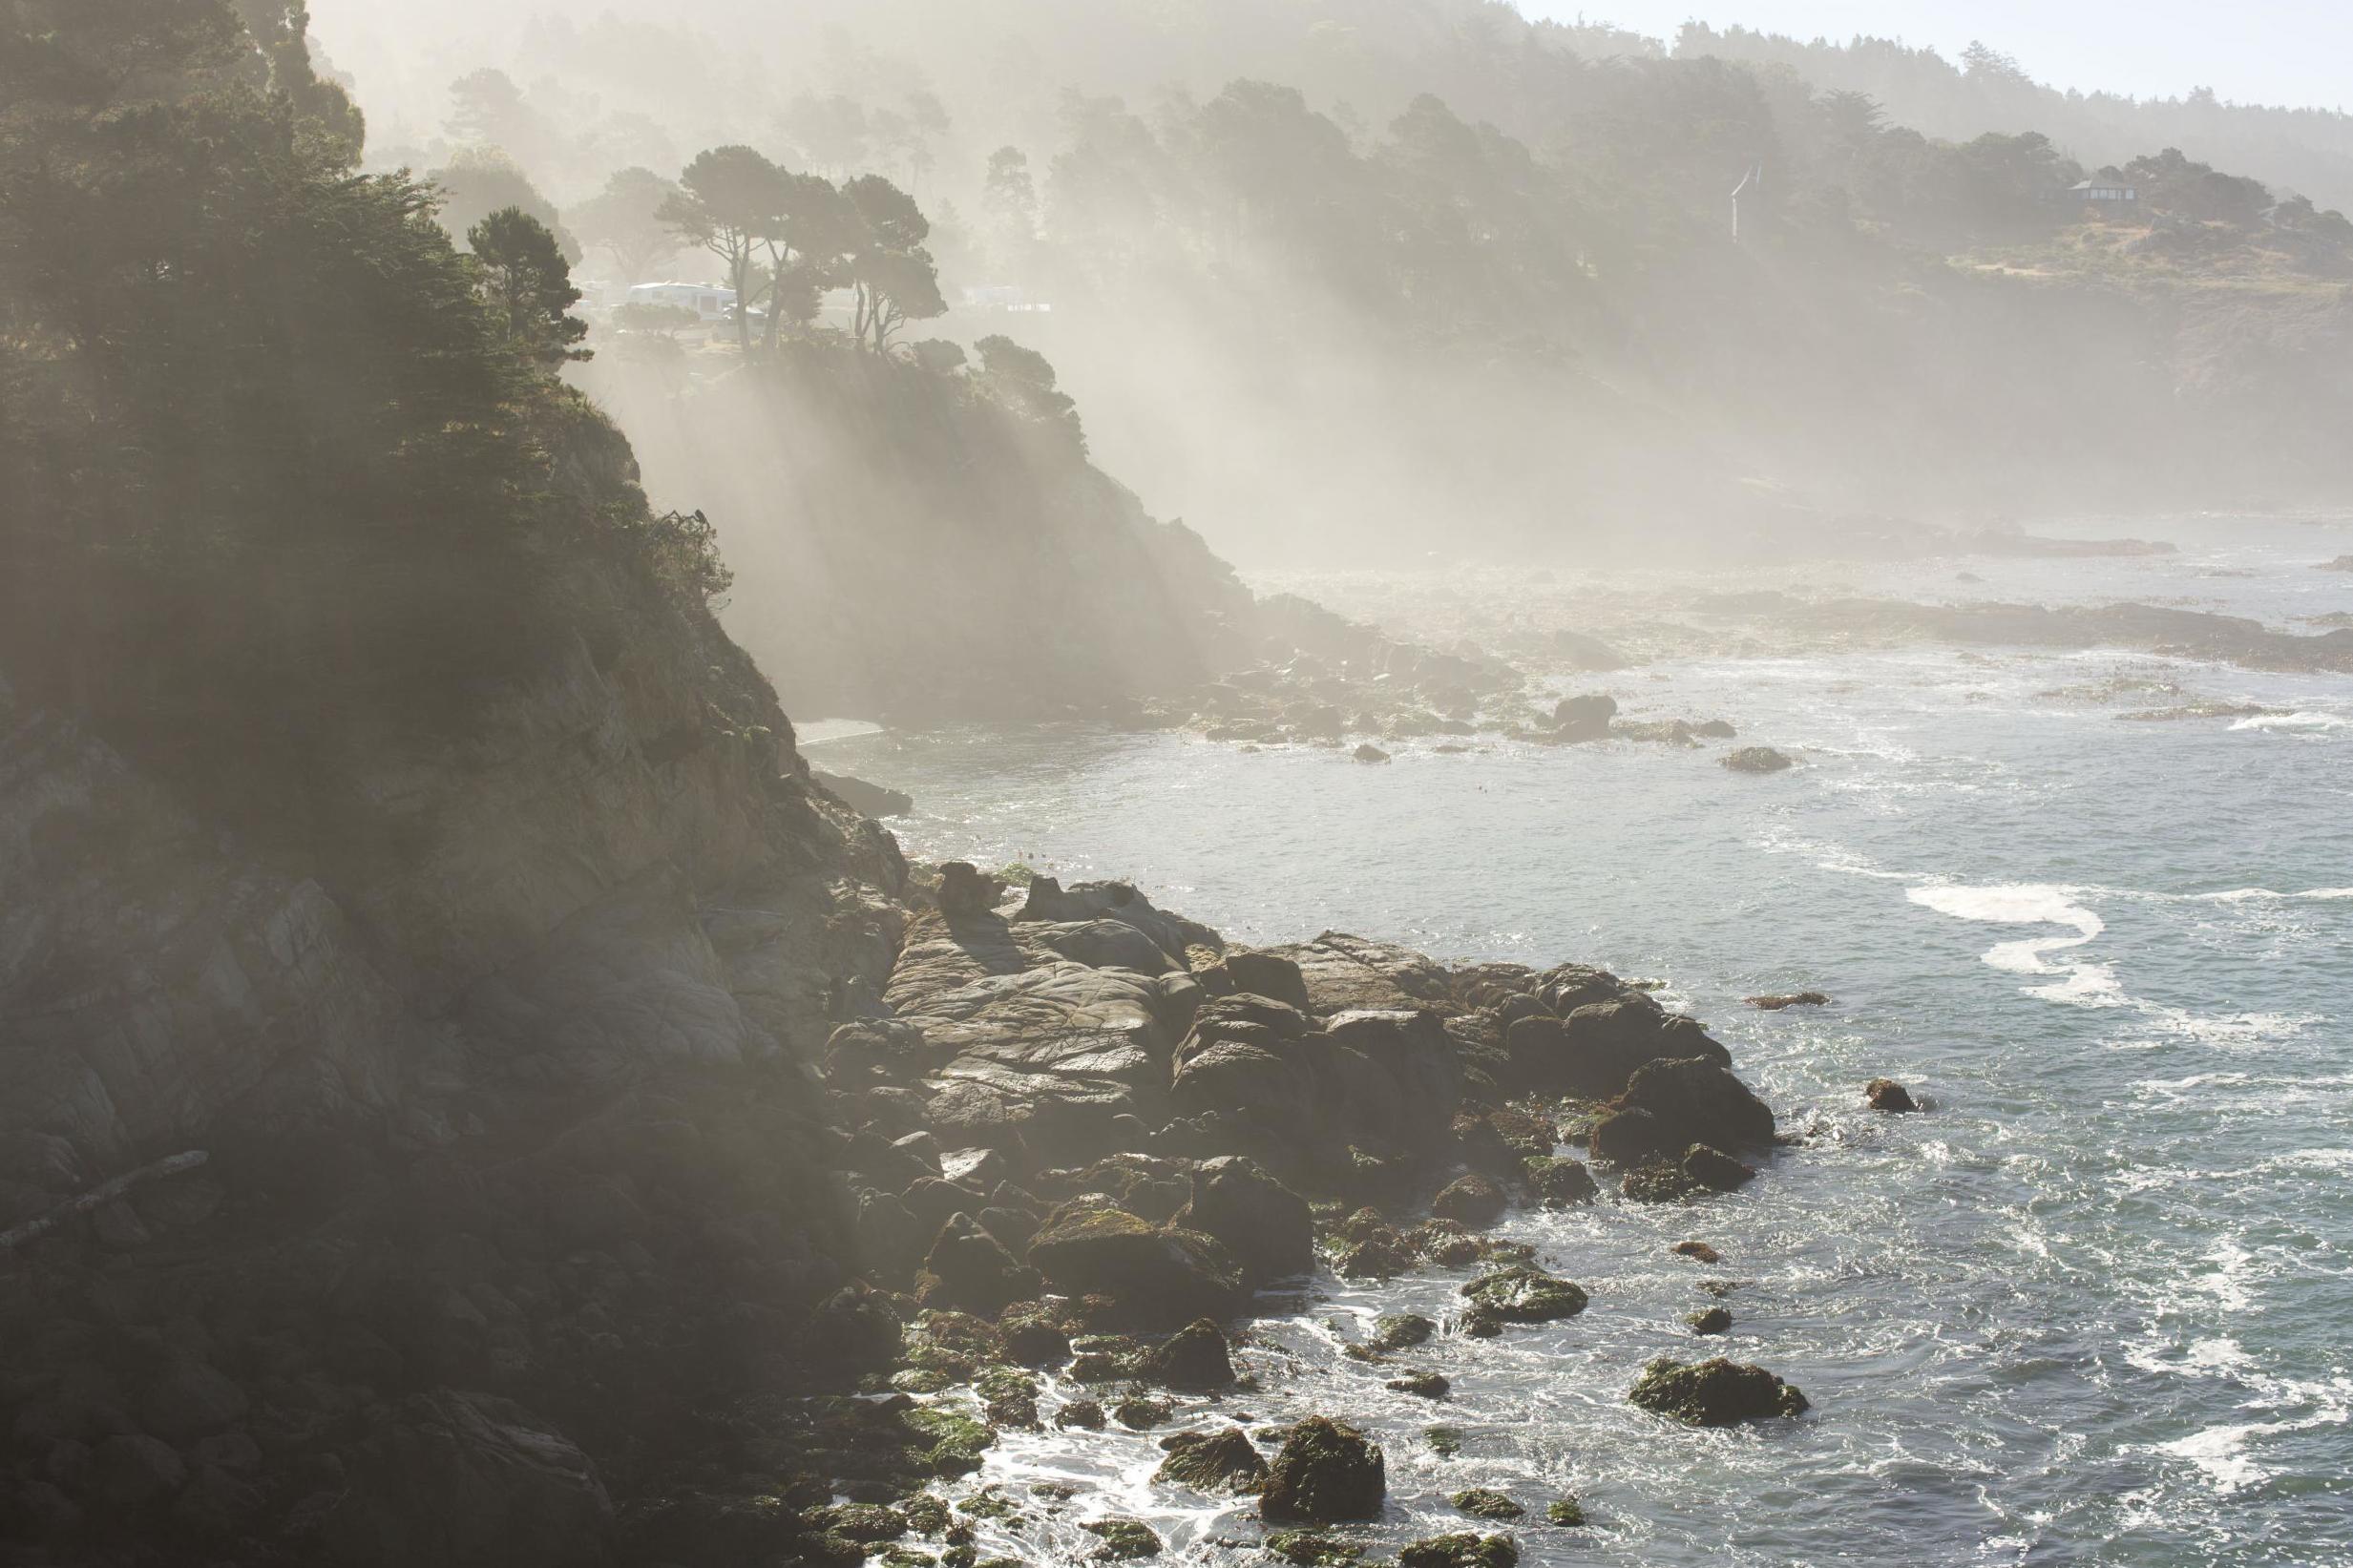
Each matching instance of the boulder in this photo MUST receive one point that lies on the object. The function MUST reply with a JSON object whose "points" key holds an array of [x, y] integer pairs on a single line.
{"points": [[1401, 1332], [1420, 1384], [1266, 974], [1522, 1294], [1195, 1358], [1758, 759], [1715, 1393], [1697, 1101], [466, 1480], [1658, 1181], [1461, 1550], [1124, 1541], [1473, 1200], [1627, 1136], [965, 892], [1370, 753], [1887, 1095], [1220, 1462], [1715, 1170], [1557, 1183], [1265, 1224], [134, 1473], [1714, 1320], [970, 1270], [1326, 1471], [1590, 654], [1482, 1502], [1794, 998], [1345, 972], [1163, 1275], [1585, 717]]}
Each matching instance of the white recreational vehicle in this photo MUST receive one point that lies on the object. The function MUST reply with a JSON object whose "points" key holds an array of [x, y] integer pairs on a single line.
{"points": [[709, 303]]}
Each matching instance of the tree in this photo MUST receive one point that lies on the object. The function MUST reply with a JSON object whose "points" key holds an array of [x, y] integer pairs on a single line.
{"points": [[1024, 380], [893, 274], [529, 286], [815, 231], [478, 181], [731, 203], [1009, 198], [624, 220]]}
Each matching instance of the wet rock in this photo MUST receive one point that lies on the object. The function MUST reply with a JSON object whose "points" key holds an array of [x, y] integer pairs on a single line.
{"points": [[192, 1400], [1715, 1393], [1659, 1181], [466, 1478], [1033, 1335], [1887, 1095], [1195, 1357], [1141, 1414], [1461, 1550], [1370, 753], [1566, 1512], [1423, 1385], [1213, 1461], [1688, 1101], [1346, 973], [1327, 1472], [1080, 1415], [1378, 1257], [1401, 1332], [870, 800], [1522, 1294], [1158, 1275], [1584, 718], [1265, 1224], [1715, 1170], [1486, 1503], [1560, 1183], [855, 1331], [1795, 999], [1758, 759], [1306, 1549], [1595, 1050], [1008, 1398], [867, 1523], [1444, 1441], [1587, 654], [1267, 974], [1124, 1541], [969, 1270], [1714, 1319], [1473, 1200], [1700, 1251]]}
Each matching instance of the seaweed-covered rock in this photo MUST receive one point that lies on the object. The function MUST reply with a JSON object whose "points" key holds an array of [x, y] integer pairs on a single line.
{"points": [[1400, 1332], [1213, 1461], [1265, 1224], [1473, 1200], [1033, 1335], [1658, 1181], [1557, 1182], [1080, 1415], [1195, 1357], [1524, 1294], [1421, 1385], [1461, 1551], [1124, 1541], [1887, 1095], [1158, 1275], [1307, 1549], [1565, 1512], [1326, 1471], [1138, 1413], [1715, 1170], [1486, 1503], [1715, 1393]]}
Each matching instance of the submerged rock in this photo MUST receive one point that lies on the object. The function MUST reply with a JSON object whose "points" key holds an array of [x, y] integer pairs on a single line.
{"points": [[1715, 1393], [1370, 753], [1758, 759], [1714, 1319], [1566, 1512], [1213, 1461], [1124, 1541], [1524, 1294], [1420, 1384], [1887, 1095], [1470, 1200], [1486, 1503], [1326, 1471], [1461, 1551], [1400, 1332], [1795, 999]]}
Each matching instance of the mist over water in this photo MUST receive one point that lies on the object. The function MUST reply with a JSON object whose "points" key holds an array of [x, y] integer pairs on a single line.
{"points": [[2093, 1308]]}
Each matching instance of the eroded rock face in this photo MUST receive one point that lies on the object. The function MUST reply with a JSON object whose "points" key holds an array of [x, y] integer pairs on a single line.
{"points": [[1265, 1224], [1326, 1471]]}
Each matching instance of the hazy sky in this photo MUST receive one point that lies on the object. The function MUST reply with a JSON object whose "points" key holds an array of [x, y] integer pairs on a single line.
{"points": [[2294, 52]]}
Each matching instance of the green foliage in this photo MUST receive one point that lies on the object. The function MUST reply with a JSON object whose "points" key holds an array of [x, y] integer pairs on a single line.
{"points": [[529, 287], [1024, 379], [678, 553], [478, 181], [894, 277], [624, 220]]}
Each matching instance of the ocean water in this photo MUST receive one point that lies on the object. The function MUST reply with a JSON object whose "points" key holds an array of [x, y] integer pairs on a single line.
{"points": [[2095, 1306]]}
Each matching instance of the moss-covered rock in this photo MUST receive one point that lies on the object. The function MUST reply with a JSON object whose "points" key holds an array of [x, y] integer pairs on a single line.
{"points": [[1124, 1541], [1461, 1551], [1423, 1385], [1213, 1461], [1486, 1503], [1522, 1294], [1194, 1357], [1560, 1183], [1715, 1393], [1659, 1181], [1444, 1441], [1008, 1398], [1141, 1414], [1400, 1332], [865, 1522], [1475, 1199], [1565, 1512], [1082, 1415], [1308, 1549], [1326, 1471]]}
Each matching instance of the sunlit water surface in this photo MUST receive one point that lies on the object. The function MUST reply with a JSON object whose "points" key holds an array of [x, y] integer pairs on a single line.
{"points": [[2097, 1307]]}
